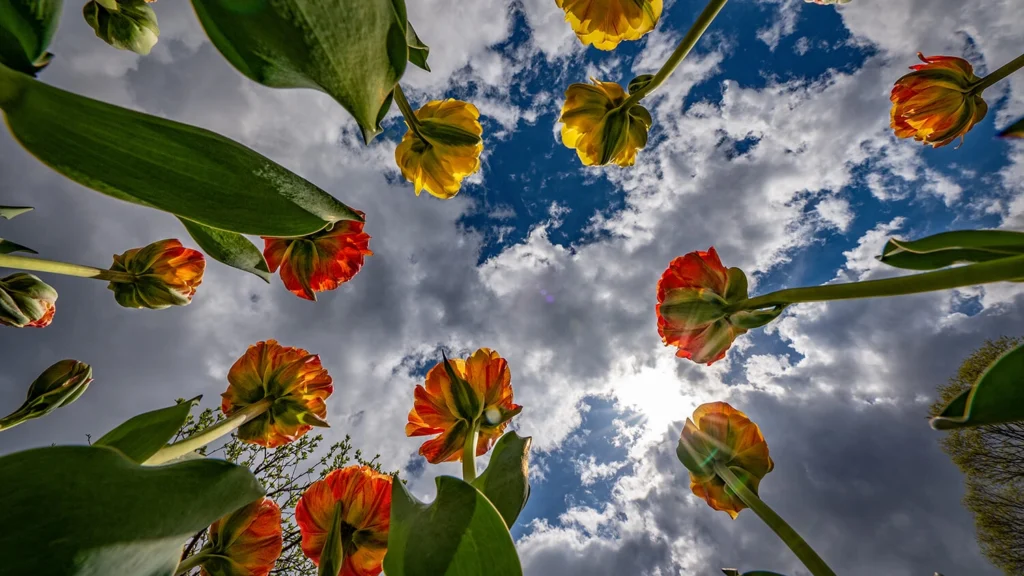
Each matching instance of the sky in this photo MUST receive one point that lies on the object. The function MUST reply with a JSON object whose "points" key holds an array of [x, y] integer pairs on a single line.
{"points": [[770, 142]]}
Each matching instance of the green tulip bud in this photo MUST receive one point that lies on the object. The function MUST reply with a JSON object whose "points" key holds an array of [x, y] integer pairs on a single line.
{"points": [[124, 24], [59, 385], [25, 300]]}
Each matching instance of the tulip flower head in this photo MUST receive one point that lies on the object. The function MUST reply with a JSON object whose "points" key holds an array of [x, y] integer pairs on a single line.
{"points": [[344, 519], [164, 273], [605, 23], [458, 395], [321, 261], [246, 542], [130, 25], [59, 385], [935, 104], [719, 433], [597, 126], [444, 147], [26, 301], [293, 384]]}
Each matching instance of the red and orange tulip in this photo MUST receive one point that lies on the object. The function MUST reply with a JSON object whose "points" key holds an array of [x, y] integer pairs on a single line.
{"points": [[26, 301], [246, 542], [480, 396], [357, 497], [291, 380], [936, 104], [321, 261], [605, 23], [164, 273], [719, 433]]}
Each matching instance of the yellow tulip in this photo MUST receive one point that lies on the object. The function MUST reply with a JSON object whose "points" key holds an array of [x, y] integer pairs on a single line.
{"points": [[605, 23], [597, 126], [443, 148]]}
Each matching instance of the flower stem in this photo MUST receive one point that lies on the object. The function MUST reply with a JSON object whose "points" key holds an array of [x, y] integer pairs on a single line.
{"points": [[192, 561], [687, 44], [469, 453], [200, 439], [41, 265], [1000, 73], [410, 116], [970, 275], [796, 543]]}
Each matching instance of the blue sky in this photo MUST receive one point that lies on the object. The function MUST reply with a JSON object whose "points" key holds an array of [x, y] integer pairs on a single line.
{"points": [[771, 143]]}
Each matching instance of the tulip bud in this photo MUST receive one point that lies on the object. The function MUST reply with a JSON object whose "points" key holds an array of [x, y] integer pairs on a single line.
{"points": [[164, 274], [124, 24], [25, 300], [59, 385]]}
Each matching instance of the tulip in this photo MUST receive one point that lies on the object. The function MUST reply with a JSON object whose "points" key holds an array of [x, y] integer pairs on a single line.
{"points": [[59, 385], [599, 127], [461, 398], [124, 24], [605, 23], [283, 388], [246, 542], [160, 275], [938, 102], [827, 2], [441, 147], [344, 521], [320, 261], [26, 301]]}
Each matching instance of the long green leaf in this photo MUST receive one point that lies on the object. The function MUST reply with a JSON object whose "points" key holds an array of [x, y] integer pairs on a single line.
{"points": [[949, 248], [142, 436], [8, 247], [229, 248], [459, 534], [418, 51], [89, 510], [187, 171], [26, 27], [997, 397], [9, 212], [354, 50], [506, 482]]}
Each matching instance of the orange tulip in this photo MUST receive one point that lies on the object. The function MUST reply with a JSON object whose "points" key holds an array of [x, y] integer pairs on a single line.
{"points": [[321, 261], [357, 497], [480, 395], [26, 301], [246, 542], [935, 104], [291, 380], [165, 274], [719, 433]]}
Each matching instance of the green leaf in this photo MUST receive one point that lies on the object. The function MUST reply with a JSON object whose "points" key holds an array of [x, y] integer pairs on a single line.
{"points": [[26, 28], [354, 50], [1015, 130], [639, 82], [997, 397], [9, 212], [88, 510], [7, 247], [229, 248], [735, 572], [948, 248], [506, 482], [188, 171], [142, 436], [459, 534], [418, 51]]}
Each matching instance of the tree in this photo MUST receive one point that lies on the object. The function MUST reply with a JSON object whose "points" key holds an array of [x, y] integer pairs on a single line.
{"points": [[992, 460], [285, 472]]}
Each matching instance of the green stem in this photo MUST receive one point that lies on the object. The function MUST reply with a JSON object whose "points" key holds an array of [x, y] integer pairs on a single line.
{"points": [[200, 439], [971, 275], [410, 116], [469, 453], [41, 265], [1000, 73], [798, 545], [687, 44], [192, 561]]}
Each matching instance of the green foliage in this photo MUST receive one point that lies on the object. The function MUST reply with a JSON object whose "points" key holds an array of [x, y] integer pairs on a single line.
{"points": [[85, 510], [286, 472], [997, 396], [467, 534], [992, 460], [9, 212], [229, 248], [8, 247], [949, 248], [506, 482], [354, 50], [26, 28], [124, 24], [142, 436]]}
